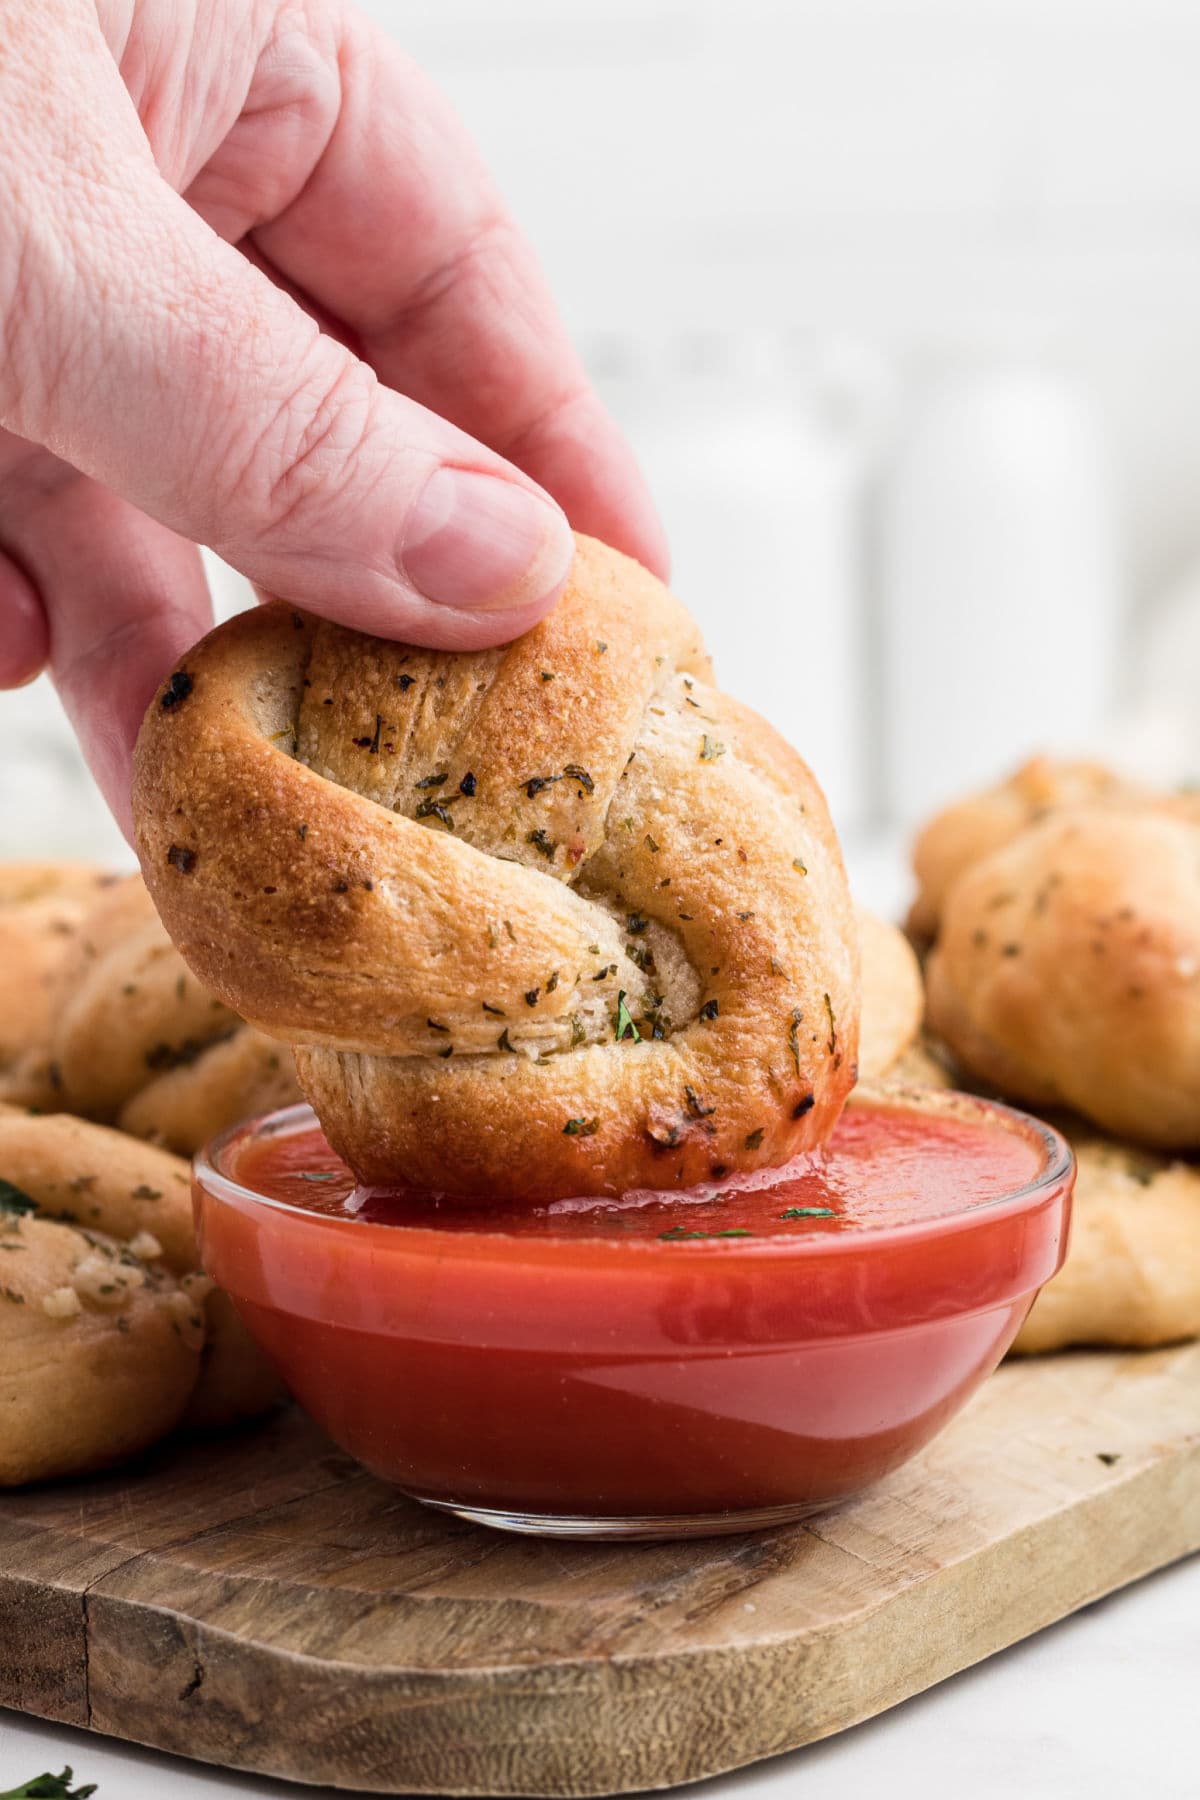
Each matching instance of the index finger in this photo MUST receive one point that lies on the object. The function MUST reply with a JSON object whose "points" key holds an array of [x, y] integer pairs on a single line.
{"points": [[397, 230]]}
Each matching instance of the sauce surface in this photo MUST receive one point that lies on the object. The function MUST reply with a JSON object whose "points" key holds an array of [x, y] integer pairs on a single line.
{"points": [[884, 1166]]}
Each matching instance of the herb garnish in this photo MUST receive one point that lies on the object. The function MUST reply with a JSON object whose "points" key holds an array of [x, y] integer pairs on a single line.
{"points": [[624, 1023], [434, 1026], [317, 1175], [497, 1012], [177, 689], [432, 781], [502, 1042], [809, 1212], [404, 682], [575, 773], [433, 809], [545, 846], [635, 924], [581, 1127], [601, 646], [804, 1106], [832, 1025], [468, 785], [531, 996], [754, 1138], [678, 1232], [710, 1010], [794, 1036], [710, 749], [547, 674], [50, 1787]]}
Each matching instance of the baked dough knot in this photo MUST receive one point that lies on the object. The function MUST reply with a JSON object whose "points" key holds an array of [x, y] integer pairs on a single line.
{"points": [[110, 1336], [551, 919]]}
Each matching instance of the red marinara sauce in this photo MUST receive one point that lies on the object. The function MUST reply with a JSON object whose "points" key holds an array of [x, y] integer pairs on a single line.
{"points": [[750, 1350]]}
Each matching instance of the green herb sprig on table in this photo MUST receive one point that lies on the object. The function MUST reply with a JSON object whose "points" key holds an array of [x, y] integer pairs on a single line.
{"points": [[50, 1787]]}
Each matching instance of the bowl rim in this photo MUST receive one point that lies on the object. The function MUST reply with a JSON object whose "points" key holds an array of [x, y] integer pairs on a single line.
{"points": [[1056, 1172]]}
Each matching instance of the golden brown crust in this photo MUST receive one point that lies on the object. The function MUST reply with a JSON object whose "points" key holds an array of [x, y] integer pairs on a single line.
{"points": [[384, 854], [1067, 970], [123, 1031], [972, 828], [41, 909], [1132, 1274], [893, 995], [109, 1337]]}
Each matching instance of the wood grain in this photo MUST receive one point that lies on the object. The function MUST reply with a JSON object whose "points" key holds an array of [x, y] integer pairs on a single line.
{"points": [[263, 1603]]}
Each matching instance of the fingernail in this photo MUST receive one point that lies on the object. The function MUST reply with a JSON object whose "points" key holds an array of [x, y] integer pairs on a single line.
{"points": [[479, 542]]}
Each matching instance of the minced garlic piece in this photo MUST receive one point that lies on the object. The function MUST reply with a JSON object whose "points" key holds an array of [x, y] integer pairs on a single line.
{"points": [[145, 1246], [105, 1282], [63, 1303]]}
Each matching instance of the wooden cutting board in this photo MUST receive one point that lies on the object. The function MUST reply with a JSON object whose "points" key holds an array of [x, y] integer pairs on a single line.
{"points": [[261, 1602]]}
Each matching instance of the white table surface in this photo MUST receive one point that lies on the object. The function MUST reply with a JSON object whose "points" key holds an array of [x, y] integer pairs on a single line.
{"points": [[1102, 1706]]}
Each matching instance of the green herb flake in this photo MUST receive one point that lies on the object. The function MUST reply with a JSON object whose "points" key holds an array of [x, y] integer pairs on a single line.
{"points": [[678, 1233], [145, 1192], [578, 1034], [435, 1025], [601, 647], [433, 809], [497, 1012], [176, 691], [502, 1042], [624, 1025], [573, 772], [809, 1212], [710, 749], [50, 1787], [544, 845], [317, 1175], [547, 674], [754, 1138], [581, 1127], [832, 1024], [794, 1025]]}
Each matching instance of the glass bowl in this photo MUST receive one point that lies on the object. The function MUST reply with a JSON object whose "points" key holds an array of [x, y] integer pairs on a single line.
{"points": [[624, 1386]]}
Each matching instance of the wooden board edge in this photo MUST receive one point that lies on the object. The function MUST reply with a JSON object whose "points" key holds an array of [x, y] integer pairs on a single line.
{"points": [[574, 1730]]}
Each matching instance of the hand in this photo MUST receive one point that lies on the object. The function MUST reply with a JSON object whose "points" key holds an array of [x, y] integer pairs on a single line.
{"points": [[258, 291]]}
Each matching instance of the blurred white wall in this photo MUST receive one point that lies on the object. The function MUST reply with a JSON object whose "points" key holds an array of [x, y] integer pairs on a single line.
{"points": [[777, 230]]}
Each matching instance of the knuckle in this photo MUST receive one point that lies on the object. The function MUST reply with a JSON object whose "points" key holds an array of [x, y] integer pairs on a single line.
{"points": [[311, 445]]}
